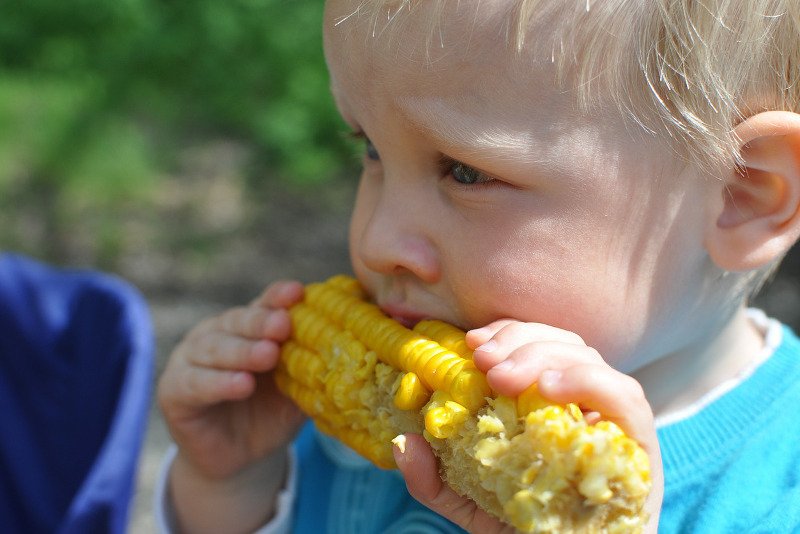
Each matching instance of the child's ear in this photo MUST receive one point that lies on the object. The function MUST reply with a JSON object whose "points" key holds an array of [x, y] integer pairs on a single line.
{"points": [[760, 217]]}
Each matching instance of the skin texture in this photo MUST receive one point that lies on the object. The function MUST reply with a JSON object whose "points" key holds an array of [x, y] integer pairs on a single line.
{"points": [[580, 252]]}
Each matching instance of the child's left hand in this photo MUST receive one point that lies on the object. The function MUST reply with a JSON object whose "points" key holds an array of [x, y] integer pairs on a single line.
{"points": [[515, 355]]}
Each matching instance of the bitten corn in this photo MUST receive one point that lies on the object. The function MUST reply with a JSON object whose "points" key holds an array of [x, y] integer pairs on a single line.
{"points": [[365, 379]]}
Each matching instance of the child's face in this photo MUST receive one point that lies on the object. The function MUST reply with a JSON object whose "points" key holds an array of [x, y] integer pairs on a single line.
{"points": [[575, 220]]}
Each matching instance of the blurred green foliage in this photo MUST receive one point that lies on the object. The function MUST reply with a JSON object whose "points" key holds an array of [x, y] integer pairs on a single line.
{"points": [[97, 97]]}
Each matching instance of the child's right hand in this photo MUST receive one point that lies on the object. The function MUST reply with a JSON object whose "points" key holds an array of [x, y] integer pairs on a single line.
{"points": [[515, 355], [220, 402]]}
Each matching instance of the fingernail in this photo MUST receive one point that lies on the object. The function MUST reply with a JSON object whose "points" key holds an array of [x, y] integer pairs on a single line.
{"points": [[505, 365], [489, 346], [549, 378], [477, 331]]}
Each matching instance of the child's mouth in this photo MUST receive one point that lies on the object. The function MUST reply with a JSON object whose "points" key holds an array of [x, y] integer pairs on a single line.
{"points": [[405, 321], [405, 317]]}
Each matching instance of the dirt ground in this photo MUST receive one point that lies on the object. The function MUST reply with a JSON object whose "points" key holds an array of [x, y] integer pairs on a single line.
{"points": [[284, 233]]}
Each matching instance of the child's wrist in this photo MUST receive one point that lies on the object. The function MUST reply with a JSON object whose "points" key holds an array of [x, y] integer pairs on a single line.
{"points": [[243, 501]]}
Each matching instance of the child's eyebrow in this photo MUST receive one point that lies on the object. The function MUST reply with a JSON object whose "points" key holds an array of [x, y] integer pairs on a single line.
{"points": [[467, 135]]}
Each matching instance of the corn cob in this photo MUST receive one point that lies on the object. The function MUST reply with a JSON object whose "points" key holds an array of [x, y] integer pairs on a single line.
{"points": [[366, 379]]}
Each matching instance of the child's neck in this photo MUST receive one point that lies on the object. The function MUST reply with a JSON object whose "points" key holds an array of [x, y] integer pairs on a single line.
{"points": [[676, 381]]}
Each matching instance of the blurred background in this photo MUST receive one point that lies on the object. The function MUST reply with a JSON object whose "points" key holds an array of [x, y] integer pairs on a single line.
{"points": [[189, 147]]}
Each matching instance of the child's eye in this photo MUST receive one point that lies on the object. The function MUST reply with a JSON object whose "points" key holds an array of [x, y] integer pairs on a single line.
{"points": [[464, 174], [370, 150]]}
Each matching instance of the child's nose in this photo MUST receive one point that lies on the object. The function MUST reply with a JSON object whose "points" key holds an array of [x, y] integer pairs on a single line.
{"points": [[396, 240]]}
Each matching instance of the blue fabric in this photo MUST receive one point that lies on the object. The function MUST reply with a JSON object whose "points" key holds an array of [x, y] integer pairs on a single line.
{"points": [[76, 366], [315, 472], [339, 499], [735, 466]]}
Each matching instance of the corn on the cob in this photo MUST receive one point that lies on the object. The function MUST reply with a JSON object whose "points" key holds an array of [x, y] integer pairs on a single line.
{"points": [[365, 379]]}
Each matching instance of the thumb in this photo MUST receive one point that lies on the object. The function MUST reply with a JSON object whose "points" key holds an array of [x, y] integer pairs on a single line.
{"points": [[420, 469]]}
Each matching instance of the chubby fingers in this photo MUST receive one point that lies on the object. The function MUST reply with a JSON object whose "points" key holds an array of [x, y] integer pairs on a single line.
{"points": [[213, 367], [226, 351], [421, 472], [599, 388], [244, 338], [218, 359], [199, 386], [494, 343], [523, 366], [513, 354], [281, 294], [510, 331], [255, 322]]}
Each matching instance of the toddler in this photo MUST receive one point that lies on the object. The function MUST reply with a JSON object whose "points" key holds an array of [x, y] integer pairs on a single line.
{"points": [[594, 189]]}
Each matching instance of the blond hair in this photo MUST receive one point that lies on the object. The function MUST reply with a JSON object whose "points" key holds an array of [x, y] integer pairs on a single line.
{"points": [[690, 68]]}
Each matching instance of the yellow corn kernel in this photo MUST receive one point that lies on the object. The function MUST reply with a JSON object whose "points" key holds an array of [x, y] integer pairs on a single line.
{"points": [[530, 400], [366, 379], [446, 335], [437, 367], [304, 364], [411, 394], [444, 421], [345, 283]]}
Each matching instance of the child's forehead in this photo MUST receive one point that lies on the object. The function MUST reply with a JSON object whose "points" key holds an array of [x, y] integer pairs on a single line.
{"points": [[459, 103], [467, 58], [472, 102]]}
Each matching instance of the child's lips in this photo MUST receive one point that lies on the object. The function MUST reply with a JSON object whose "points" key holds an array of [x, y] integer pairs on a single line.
{"points": [[402, 315]]}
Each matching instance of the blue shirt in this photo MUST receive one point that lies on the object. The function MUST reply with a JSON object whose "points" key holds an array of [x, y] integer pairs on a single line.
{"points": [[735, 465]]}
